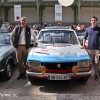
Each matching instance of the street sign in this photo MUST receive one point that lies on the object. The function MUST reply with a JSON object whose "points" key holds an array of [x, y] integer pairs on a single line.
{"points": [[17, 12], [58, 12]]}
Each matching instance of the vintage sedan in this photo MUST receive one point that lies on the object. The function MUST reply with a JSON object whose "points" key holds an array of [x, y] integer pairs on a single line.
{"points": [[7, 57], [58, 56]]}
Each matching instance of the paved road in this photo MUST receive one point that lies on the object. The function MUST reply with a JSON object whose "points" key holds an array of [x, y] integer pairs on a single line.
{"points": [[49, 90]]}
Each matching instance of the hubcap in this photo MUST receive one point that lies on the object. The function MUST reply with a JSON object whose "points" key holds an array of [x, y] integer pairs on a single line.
{"points": [[9, 70]]}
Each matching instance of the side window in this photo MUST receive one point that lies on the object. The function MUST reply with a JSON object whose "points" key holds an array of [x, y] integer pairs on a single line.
{"points": [[73, 38], [47, 38], [40, 35]]}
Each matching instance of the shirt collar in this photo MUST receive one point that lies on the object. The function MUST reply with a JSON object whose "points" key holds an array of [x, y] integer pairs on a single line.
{"points": [[94, 27]]}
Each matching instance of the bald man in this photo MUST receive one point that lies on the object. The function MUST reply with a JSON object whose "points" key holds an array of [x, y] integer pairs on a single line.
{"points": [[21, 39]]}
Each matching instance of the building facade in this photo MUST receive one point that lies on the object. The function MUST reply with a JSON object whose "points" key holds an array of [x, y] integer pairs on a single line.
{"points": [[41, 11]]}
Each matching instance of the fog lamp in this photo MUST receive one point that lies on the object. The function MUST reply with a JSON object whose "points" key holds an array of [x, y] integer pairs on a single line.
{"points": [[75, 69], [42, 69]]}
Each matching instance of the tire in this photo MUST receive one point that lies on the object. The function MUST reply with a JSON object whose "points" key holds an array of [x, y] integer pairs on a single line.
{"points": [[31, 79], [84, 79], [99, 73], [7, 74]]}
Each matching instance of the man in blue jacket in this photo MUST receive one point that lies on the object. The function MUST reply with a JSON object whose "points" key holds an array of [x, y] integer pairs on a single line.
{"points": [[92, 33]]}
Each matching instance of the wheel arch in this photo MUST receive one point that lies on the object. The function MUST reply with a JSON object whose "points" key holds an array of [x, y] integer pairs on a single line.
{"points": [[9, 59]]}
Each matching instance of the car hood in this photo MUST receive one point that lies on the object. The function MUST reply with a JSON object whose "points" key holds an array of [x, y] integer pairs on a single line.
{"points": [[5, 50], [58, 53]]}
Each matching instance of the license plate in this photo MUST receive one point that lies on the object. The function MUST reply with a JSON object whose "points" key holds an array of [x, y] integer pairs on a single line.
{"points": [[59, 77]]}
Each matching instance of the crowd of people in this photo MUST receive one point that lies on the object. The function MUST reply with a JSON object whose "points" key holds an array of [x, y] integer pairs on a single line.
{"points": [[37, 28]]}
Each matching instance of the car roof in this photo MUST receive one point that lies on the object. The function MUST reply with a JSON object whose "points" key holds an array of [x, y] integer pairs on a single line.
{"points": [[57, 28]]}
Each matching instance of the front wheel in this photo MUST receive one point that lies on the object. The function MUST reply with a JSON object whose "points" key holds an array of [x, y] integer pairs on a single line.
{"points": [[84, 79], [7, 74], [31, 79]]}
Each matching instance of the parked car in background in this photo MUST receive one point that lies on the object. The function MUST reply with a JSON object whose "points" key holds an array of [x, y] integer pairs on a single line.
{"points": [[80, 34], [58, 56], [4, 30], [7, 57]]}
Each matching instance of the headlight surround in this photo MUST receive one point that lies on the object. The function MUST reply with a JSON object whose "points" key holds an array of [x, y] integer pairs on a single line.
{"points": [[84, 63], [34, 64], [36, 67]]}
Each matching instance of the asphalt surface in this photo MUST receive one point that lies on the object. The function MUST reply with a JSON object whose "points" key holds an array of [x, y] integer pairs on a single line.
{"points": [[49, 90]]}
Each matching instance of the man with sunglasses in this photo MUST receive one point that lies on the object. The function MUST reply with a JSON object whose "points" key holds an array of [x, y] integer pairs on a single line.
{"points": [[21, 40], [92, 33]]}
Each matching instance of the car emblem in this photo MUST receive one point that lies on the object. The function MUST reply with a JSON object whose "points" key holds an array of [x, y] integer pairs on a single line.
{"points": [[58, 66]]}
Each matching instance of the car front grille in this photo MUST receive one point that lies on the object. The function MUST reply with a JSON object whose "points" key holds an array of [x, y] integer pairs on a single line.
{"points": [[59, 66]]}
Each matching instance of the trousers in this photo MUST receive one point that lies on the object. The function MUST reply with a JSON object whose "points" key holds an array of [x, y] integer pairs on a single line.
{"points": [[21, 55], [94, 55]]}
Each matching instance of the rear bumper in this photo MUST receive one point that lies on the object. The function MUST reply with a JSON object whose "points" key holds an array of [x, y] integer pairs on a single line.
{"points": [[45, 75]]}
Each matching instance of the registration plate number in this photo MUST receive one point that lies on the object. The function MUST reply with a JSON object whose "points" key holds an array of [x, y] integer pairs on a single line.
{"points": [[59, 77]]}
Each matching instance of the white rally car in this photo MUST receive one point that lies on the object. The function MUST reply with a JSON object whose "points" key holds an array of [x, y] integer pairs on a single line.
{"points": [[58, 56]]}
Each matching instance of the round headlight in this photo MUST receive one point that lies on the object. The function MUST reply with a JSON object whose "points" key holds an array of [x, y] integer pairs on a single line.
{"points": [[33, 64]]}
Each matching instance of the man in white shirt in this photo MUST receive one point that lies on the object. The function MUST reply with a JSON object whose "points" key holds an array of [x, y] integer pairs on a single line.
{"points": [[21, 40]]}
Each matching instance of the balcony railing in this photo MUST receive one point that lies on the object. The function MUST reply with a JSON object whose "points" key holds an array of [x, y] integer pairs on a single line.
{"points": [[41, 0], [24, 0], [90, 0], [50, 2], [20, 0], [27, 0]]}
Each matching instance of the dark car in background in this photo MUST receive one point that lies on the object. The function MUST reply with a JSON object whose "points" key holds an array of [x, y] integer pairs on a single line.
{"points": [[7, 57]]}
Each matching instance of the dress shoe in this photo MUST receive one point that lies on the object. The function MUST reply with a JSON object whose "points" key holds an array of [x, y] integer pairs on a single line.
{"points": [[99, 73], [24, 76]]}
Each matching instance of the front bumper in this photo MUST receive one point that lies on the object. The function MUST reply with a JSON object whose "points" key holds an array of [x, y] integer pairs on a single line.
{"points": [[72, 75]]}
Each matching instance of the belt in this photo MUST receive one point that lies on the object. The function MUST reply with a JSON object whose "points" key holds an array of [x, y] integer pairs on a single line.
{"points": [[21, 45]]}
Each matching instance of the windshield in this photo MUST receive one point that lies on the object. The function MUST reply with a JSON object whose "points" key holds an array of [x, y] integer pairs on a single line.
{"points": [[57, 36], [4, 39]]}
